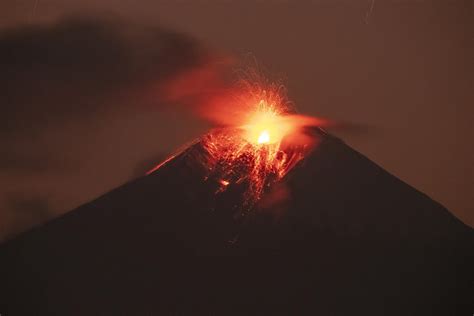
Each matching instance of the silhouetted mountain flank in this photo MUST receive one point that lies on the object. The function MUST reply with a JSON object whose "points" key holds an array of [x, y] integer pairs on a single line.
{"points": [[350, 240]]}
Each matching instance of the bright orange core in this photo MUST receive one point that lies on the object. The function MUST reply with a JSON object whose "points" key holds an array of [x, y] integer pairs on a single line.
{"points": [[265, 127]]}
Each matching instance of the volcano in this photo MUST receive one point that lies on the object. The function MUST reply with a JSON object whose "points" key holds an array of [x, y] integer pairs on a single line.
{"points": [[337, 235]]}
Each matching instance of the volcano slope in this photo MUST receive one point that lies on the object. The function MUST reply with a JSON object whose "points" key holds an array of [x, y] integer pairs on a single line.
{"points": [[349, 238]]}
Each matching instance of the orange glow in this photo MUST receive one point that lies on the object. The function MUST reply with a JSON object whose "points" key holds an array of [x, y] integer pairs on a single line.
{"points": [[265, 126], [264, 137], [260, 151], [259, 139]]}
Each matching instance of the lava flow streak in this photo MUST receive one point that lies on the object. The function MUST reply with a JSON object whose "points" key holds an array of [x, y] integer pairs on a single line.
{"points": [[263, 141], [259, 141], [257, 153]]}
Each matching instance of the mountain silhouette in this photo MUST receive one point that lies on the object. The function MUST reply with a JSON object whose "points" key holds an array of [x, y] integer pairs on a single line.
{"points": [[337, 236]]}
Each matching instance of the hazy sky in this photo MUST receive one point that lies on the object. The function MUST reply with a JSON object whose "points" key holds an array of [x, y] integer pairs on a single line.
{"points": [[77, 127]]}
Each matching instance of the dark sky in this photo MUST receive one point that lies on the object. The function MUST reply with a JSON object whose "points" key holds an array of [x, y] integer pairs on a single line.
{"points": [[79, 114]]}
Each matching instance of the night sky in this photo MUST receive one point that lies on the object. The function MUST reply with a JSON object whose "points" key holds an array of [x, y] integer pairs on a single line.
{"points": [[82, 111]]}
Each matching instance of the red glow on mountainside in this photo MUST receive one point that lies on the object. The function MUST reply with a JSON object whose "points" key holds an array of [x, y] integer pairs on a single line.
{"points": [[259, 139], [259, 152]]}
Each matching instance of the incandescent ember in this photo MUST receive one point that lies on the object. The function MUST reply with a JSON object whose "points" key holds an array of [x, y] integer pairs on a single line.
{"points": [[258, 144]]}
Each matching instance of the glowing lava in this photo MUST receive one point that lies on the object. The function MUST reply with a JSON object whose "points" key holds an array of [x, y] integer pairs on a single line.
{"points": [[257, 153], [265, 125], [264, 137], [259, 141]]}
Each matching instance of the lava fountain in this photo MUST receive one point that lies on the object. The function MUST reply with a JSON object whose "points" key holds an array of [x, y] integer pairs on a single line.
{"points": [[259, 140]]}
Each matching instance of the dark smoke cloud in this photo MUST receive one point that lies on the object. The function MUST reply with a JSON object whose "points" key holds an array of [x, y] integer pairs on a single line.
{"points": [[80, 67], [17, 162], [61, 86]]}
